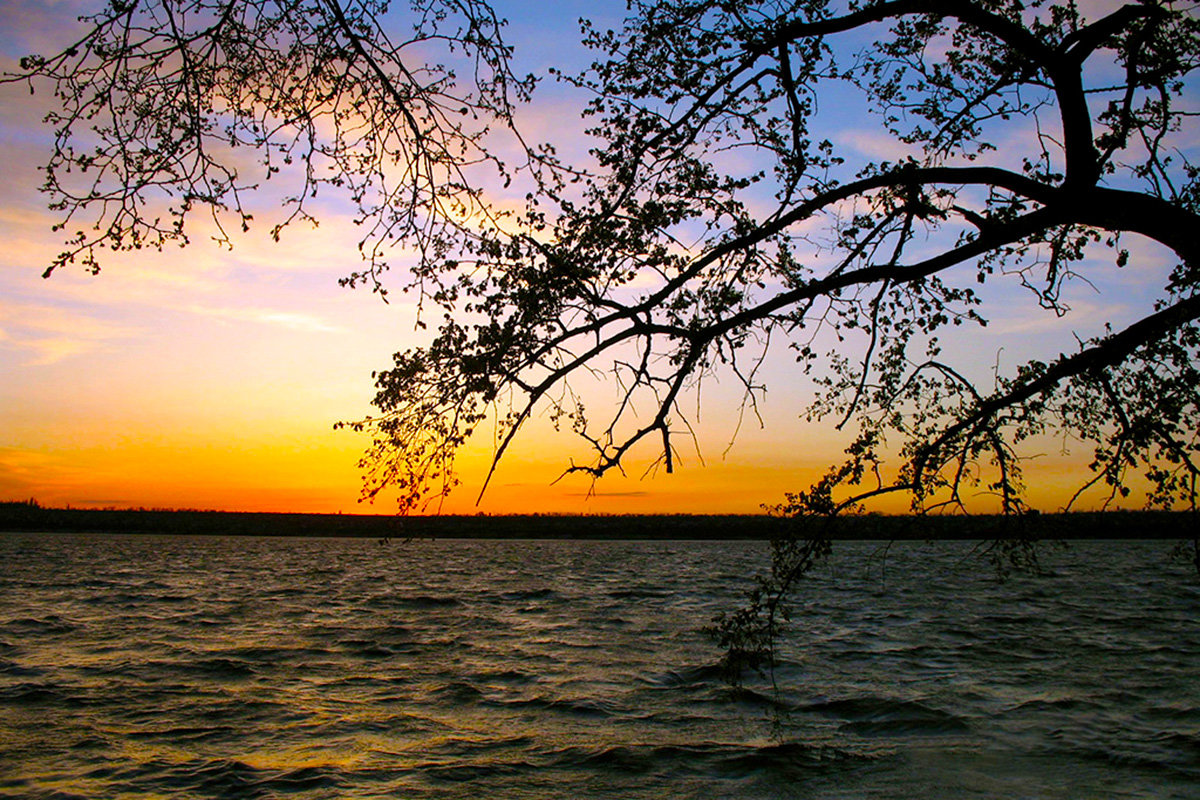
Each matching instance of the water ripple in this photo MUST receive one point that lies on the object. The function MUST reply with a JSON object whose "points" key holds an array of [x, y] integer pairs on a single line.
{"points": [[145, 667]]}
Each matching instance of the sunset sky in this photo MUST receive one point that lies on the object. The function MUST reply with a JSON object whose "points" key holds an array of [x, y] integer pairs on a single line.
{"points": [[211, 378]]}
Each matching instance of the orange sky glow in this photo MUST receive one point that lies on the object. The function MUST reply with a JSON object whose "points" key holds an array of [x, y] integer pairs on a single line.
{"points": [[212, 378]]}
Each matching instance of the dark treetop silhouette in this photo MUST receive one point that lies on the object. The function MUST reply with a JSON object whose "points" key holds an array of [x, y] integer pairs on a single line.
{"points": [[704, 118]]}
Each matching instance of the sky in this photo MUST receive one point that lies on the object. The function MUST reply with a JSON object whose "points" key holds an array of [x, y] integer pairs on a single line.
{"points": [[212, 378]]}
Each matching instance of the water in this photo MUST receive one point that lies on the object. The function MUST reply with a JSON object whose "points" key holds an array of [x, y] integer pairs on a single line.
{"points": [[153, 667]]}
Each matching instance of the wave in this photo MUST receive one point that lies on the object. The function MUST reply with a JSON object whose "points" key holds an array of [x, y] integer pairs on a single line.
{"points": [[51, 624], [711, 759], [374, 649], [473, 772], [184, 733], [417, 602], [885, 716], [789, 757], [526, 595], [43, 694], [212, 668], [217, 778], [458, 692], [16, 670], [578, 707], [638, 594], [690, 676]]}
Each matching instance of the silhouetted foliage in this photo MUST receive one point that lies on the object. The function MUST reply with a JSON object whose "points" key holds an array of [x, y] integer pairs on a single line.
{"points": [[714, 221]]}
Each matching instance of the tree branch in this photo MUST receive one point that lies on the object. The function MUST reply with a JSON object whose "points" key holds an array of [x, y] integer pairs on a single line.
{"points": [[1109, 352]]}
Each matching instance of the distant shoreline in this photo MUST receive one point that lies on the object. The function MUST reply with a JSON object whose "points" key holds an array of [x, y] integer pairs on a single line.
{"points": [[30, 517]]}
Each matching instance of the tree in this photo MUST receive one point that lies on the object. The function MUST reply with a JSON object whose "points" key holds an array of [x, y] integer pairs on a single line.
{"points": [[714, 222]]}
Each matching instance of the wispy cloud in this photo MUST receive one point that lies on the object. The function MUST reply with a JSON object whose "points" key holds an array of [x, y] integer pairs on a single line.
{"points": [[266, 316], [41, 27], [47, 335], [1083, 316], [877, 144]]}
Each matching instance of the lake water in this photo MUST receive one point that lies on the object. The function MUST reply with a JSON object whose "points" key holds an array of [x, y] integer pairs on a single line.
{"points": [[154, 667]]}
